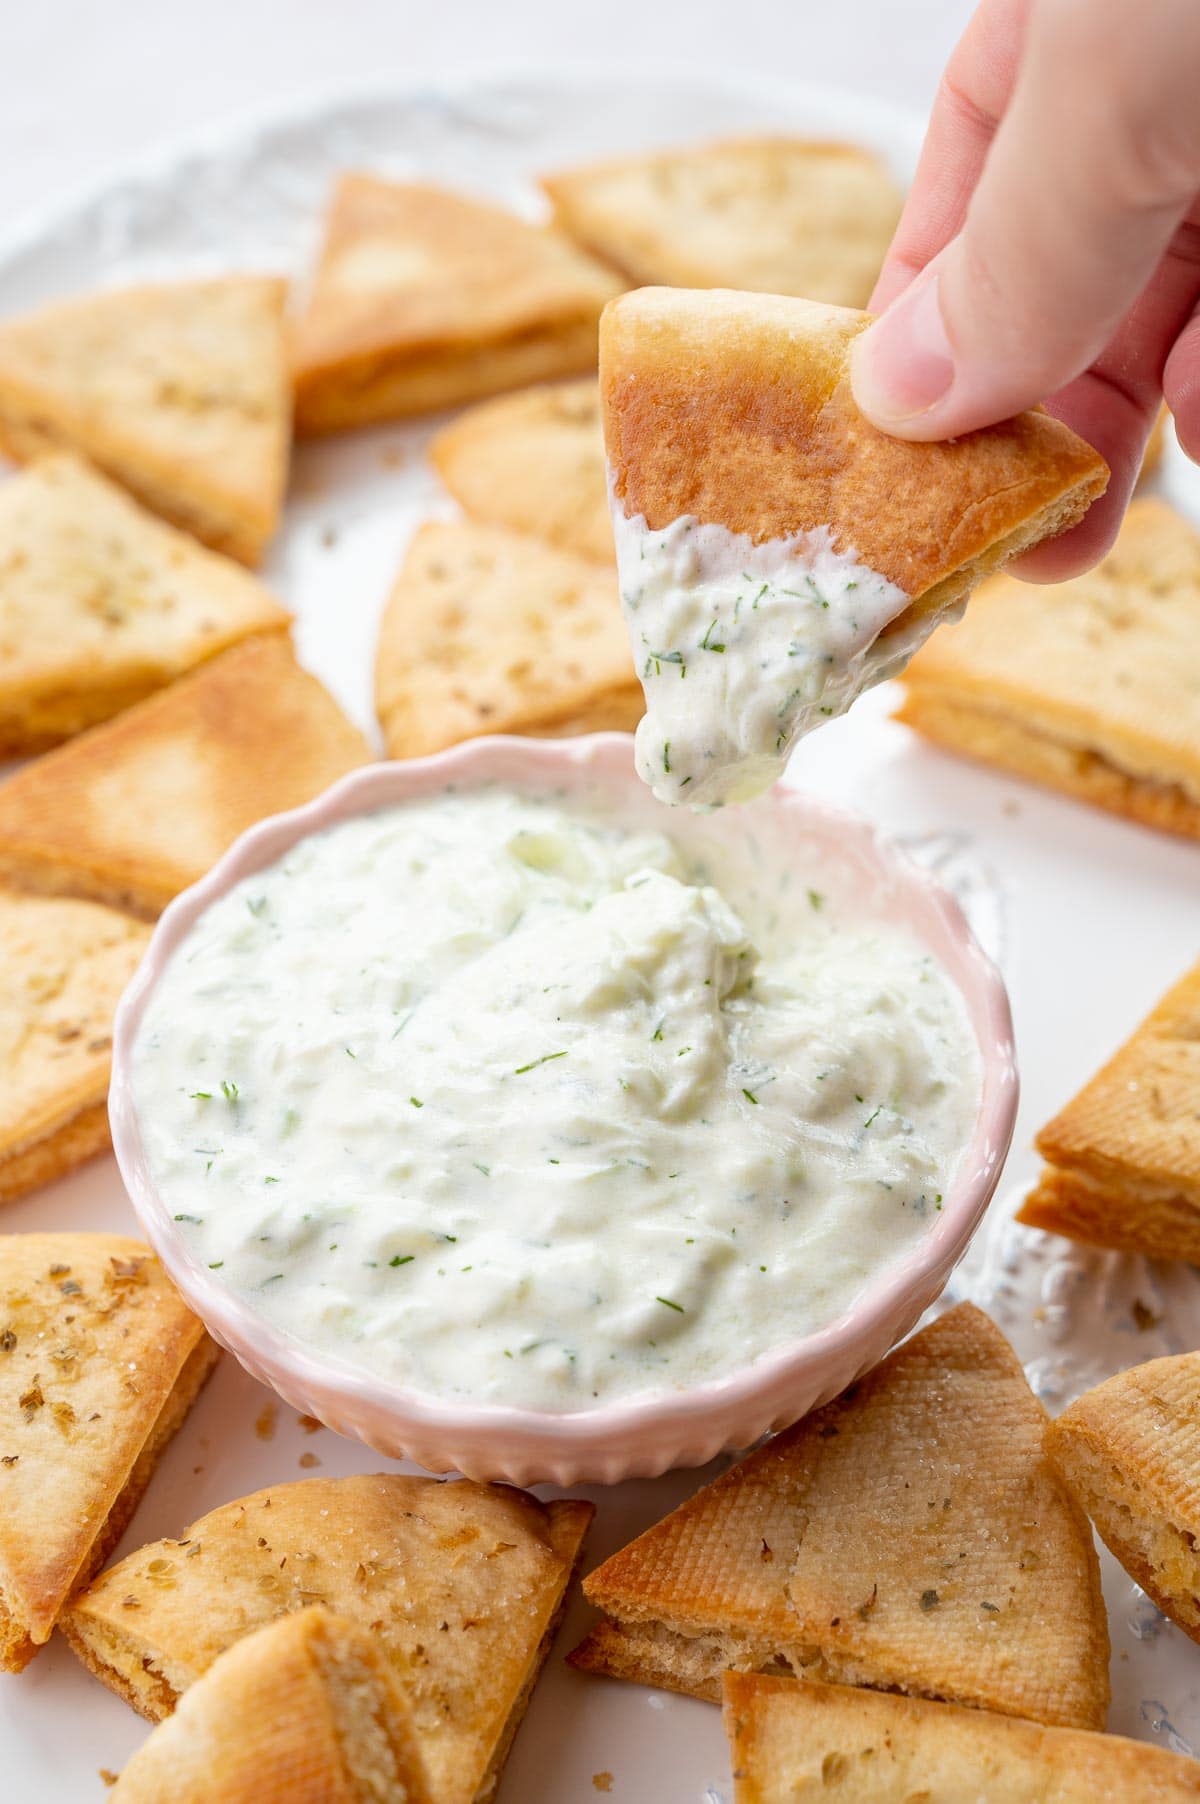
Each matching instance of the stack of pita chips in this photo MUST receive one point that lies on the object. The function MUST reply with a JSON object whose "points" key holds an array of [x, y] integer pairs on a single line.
{"points": [[1123, 1157], [912, 1536], [1092, 686], [461, 1586], [99, 1364], [179, 392], [424, 299], [1130, 1450], [303, 1711], [491, 631], [101, 603], [798, 1743], [780, 215]]}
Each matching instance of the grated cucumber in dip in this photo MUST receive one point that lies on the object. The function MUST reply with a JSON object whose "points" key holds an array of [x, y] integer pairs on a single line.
{"points": [[497, 1096]]}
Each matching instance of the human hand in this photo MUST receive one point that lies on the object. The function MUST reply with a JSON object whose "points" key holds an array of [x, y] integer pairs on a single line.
{"points": [[1051, 244]]}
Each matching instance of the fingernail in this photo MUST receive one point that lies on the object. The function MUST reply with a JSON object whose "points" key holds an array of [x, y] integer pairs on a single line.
{"points": [[903, 365]]}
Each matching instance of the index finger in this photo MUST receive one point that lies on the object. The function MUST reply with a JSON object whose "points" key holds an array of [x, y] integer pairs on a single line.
{"points": [[971, 100]]}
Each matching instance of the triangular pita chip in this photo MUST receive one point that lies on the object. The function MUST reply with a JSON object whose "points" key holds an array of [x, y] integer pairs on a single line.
{"points": [[796, 1743], [533, 461], [1124, 1155], [99, 1364], [135, 810], [733, 412], [63, 966], [489, 631], [912, 1536], [781, 215], [179, 391], [1130, 1450], [461, 1584], [1091, 686], [423, 298], [303, 1711], [101, 603]]}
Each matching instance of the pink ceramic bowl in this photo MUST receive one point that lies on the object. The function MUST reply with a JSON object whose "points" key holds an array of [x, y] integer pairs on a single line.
{"points": [[641, 1435]]}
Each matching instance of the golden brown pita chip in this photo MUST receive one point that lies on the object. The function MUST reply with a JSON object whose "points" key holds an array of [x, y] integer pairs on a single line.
{"points": [[489, 631], [1130, 1451], [912, 1536], [533, 461], [179, 392], [462, 1585], [781, 215], [1124, 1155], [303, 1711], [63, 966], [795, 1743], [101, 603], [1091, 686], [135, 810], [99, 1364], [424, 298]]}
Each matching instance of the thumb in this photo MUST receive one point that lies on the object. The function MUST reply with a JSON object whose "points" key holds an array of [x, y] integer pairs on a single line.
{"points": [[1094, 164]]}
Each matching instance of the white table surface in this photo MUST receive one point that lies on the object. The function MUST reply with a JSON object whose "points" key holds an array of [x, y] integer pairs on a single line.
{"points": [[84, 86]]}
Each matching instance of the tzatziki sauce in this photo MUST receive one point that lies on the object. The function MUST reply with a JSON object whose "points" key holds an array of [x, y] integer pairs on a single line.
{"points": [[742, 648], [497, 1096]]}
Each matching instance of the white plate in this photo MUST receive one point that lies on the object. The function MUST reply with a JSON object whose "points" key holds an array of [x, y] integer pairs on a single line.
{"points": [[1092, 918]]}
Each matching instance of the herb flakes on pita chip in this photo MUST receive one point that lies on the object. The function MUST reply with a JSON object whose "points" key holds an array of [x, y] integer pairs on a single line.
{"points": [[63, 966], [490, 631], [797, 1743], [178, 391], [100, 1362], [461, 1584], [101, 603], [911, 1536], [1130, 1451], [303, 1711], [133, 811], [777, 214], [424, 299], [1123, 1156], [533, 461]]}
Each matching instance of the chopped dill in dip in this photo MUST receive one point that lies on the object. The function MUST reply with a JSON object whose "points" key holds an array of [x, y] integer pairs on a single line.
{"points": [[497, 1096]]}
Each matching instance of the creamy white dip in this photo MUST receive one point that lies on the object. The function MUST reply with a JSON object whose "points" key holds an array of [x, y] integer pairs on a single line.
{"points": [[496, 1096], [743, 648]]}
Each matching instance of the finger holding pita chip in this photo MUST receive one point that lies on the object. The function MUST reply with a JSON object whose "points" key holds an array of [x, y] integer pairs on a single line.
{"points": [[777, 554], [460, 1585], [911, 1536], [303, 1711], [178, 391], [793, 1742], [424, 298], [102, 603], [100, 1362]]}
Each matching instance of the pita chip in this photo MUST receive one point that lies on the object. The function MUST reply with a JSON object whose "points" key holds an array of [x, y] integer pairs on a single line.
{"points": [[303, 1711], [461, 1585], [1090, 686], [63, 966], [99, 1364], [1123, 1157], [179, 392], [776, 214], [1130, 1451], [424, 299], [490, 631], [823, 552], [133, 811], [795, 1743], [101, 603], [912, 1536], [533, 461]]}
